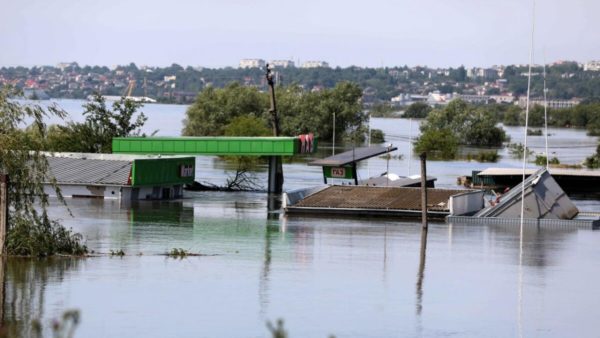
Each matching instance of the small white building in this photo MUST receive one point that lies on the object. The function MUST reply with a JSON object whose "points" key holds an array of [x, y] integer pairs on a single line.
{"points": [[592, 66], [252, 63], [282, 63], [315, 64], [552, 104]]}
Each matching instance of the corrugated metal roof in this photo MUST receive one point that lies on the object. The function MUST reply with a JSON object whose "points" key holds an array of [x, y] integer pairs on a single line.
{"points": [[553, 171], [358, 154], [364, 197], [89, 171]]}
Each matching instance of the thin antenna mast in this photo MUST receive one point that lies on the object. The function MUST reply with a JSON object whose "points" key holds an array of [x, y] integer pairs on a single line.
{"points": [[546, 113], [409, 143], [527, 121]]}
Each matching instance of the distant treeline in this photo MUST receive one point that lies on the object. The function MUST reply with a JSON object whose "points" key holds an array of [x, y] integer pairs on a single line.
{"points": [[584, 115], [565, 81]]}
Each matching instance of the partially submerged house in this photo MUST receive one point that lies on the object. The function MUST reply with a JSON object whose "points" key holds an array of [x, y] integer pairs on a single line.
{"points": [[404, 202], [125, 177], [543, 201], [543, 198]]}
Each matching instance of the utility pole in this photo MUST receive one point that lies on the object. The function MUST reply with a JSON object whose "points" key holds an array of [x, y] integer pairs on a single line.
{"points": [[424, 191], [275, 167], [3, 212]]}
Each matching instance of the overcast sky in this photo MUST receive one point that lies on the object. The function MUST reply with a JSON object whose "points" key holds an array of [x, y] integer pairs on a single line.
{"points": [[218, 33]]}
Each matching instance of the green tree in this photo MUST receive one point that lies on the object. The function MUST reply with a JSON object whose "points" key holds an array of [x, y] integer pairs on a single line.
{"points": [[31, 232], [312, 112], [536, 116], [100, 127], [215, 108], [439, 143], [300, 111], [248, 125], [466, 124], [417, 110], [593, 162], [512, 116]]}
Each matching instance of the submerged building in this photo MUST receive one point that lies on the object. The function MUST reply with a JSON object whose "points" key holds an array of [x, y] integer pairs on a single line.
{"points": [[125, 177]]}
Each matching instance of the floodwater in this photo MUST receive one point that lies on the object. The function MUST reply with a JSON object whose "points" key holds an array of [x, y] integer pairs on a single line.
{"points": [[361, 277]]}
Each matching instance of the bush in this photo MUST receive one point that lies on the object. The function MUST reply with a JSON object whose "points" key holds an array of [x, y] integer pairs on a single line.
{"points": [[541, 160], [418, 110], [484, 156], [377, 136], [593, 162]]}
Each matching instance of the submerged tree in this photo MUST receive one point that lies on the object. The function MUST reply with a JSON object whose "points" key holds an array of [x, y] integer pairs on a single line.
{"points": [[31, 231], [593, 162], [459, 123], [300, 111], [101, 125]]}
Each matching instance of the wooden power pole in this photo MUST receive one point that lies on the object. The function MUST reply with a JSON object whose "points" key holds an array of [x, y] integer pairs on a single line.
{"points": [[3, 212]]}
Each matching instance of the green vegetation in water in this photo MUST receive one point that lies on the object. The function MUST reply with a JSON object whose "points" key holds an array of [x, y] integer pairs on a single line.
{"points": [[300, 111], [534, 132], [31, 232], [377, 136], [438, 144], [418, 110], [516, 150], [458, 123], [61, 328], [181, 253], [541, 160], [484, 156], [178, 252], [391, 157], [277, 331], [593, 162], [383, 110], [119, 253]]}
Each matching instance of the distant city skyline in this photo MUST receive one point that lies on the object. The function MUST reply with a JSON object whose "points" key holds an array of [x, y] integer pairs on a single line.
{"points": [[379, 33]]}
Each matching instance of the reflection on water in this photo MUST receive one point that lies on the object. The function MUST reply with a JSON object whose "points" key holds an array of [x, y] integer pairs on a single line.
{"points": [[24, 290], [348, 277], [352, 277]]}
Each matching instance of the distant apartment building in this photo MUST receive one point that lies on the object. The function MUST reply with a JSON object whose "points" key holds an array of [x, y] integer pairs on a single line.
{"points": [[282, 63], [168, 78], [592, 66], [436, 98], [252, 63], [315, 64], [508, 98], [477, 99], [553, 104], [407, 99], [486, 73], [66, 65]]}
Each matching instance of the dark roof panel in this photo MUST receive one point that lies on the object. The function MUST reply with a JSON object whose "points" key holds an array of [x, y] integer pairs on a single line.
{"points": [[355, 155]]}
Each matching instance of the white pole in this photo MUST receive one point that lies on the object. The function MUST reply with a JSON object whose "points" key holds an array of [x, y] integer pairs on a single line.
{"points": [[369, 143], [527, 122], [333, 150], [546, 113], [409, 143]]}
